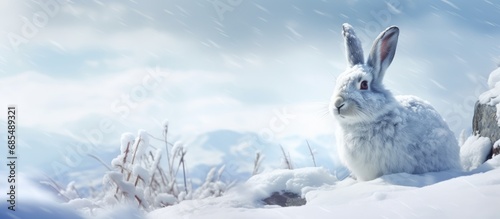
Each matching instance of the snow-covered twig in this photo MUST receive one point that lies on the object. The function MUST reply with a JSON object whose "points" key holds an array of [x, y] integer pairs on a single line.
{"points": [[165, 135], [286, 159], [257, 163], [51, 183], [184, 171], [100, 161], [312, 154]]}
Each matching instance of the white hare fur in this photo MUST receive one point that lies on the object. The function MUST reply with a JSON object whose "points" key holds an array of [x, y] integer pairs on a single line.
{"points": [[381, 134]]}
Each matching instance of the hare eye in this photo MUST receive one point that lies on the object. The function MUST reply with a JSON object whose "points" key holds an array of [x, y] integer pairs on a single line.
{"points": [[363, 85]]}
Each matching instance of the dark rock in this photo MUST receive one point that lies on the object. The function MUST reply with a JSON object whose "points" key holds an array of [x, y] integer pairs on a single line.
{"points": [[496, 151], [285, 199], [485, 123]]}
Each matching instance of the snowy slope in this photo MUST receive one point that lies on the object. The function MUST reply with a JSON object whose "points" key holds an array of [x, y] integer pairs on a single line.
{"points": [[474, 194]]}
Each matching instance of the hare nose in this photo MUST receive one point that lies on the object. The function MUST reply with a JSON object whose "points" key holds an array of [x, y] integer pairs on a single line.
{"points": [[338, 103]]}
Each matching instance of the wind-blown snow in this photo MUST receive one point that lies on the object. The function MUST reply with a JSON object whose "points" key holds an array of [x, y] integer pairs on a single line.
{"points": [[492, 96], [447, 194]]}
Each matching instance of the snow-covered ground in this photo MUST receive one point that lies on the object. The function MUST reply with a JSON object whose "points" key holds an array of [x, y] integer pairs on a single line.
{"points": [[448, 194]]}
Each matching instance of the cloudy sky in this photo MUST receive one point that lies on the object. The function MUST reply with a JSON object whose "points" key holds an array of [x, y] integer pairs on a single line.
{"points": [[75, 68]]}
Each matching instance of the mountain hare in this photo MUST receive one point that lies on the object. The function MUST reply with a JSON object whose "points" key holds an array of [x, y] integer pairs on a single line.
{"points": [[379, 133]]}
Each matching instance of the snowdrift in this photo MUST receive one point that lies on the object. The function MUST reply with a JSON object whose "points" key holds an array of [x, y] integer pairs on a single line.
{"points": [[448, 194]]}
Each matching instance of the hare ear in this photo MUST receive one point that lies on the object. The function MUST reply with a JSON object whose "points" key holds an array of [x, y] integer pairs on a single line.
{"points": [[383, 50], [352, 46]]}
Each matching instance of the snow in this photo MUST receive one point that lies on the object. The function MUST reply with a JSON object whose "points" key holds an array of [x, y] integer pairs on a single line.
{"points": [[141, 172], [496, 144], [80, 203], [117, 178], [447, 194], [70, 191], [177, 149], [121, 211], [164, 199], [32, 201], [141, 143], [118, 161], [213, 186], [494, 78], [156, 161], [474, 151], [127, 140], [165, 123], [492, 96], [297, 181]]}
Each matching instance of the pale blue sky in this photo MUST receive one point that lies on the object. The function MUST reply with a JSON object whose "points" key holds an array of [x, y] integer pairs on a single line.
{"points": [[231, 73]]}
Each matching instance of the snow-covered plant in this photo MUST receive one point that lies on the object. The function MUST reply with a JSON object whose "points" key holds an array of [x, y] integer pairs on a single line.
{"points": [[141, 175], [129, 177], [286, 160], [257, 163], [312, 153], [213, 186], [67, 194]]}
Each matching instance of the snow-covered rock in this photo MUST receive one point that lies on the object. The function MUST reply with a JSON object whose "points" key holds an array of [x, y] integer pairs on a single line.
{"points": [[285, 199], [486, 120], [496, 148], [492, 96], [298, 181]]}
